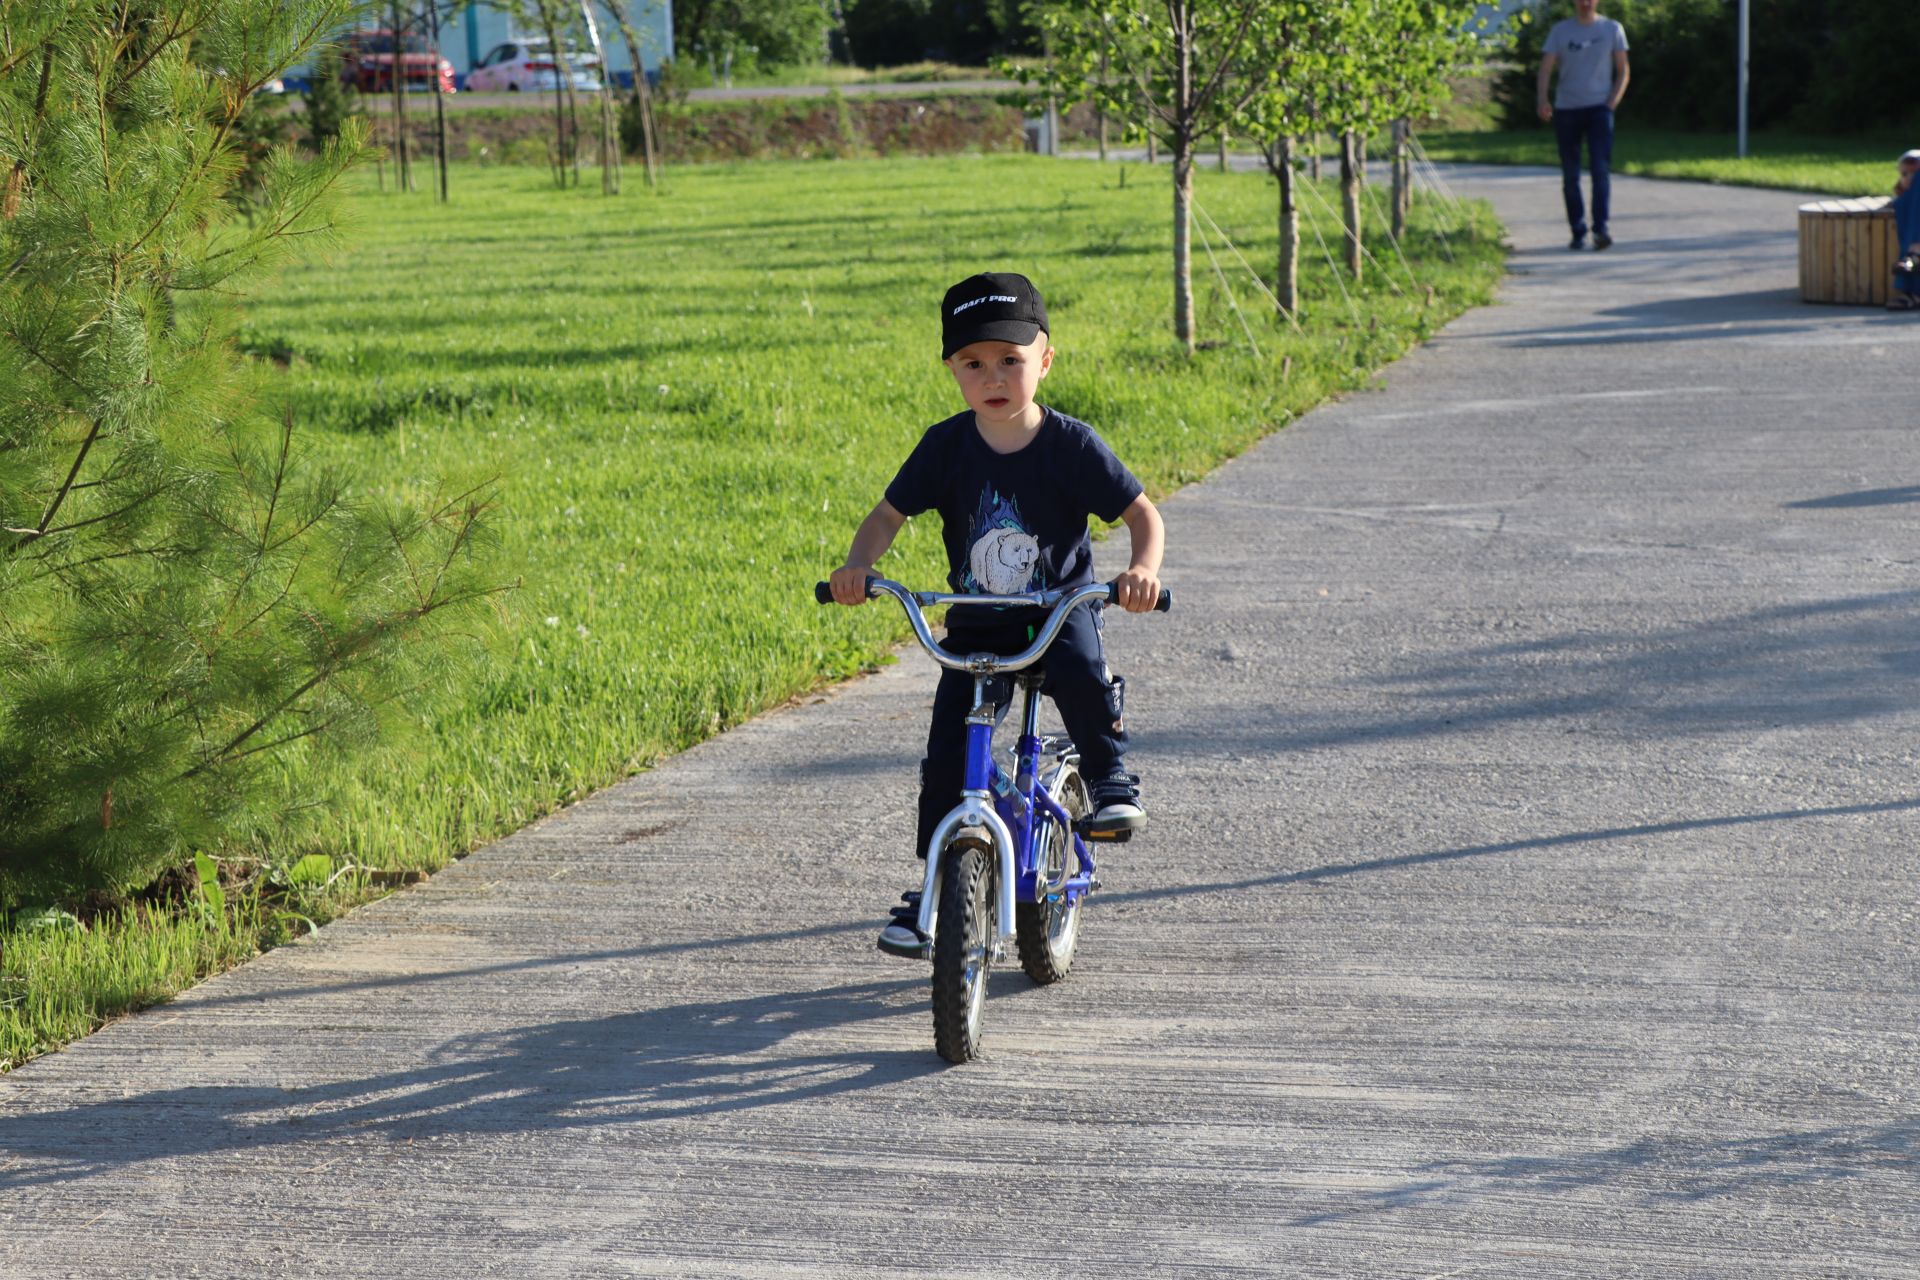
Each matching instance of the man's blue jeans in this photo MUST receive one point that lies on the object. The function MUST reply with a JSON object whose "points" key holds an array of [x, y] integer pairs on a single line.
{"points": [[1594, 125]]}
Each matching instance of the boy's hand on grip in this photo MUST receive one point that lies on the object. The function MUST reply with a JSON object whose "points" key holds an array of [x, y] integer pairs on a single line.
{"points": [[1137, 590], [849, 583]]}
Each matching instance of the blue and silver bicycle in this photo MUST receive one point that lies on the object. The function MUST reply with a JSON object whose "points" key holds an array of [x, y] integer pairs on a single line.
{"points": [[1010, 864]]}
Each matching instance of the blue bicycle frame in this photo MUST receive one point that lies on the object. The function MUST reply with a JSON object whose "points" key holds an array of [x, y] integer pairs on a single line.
{"points": [[1013, 812]]}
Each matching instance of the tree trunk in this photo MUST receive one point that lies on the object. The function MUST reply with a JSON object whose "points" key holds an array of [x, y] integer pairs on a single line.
{"points": [[609, 135], [562, 85], [642, 93], [397, 81], [1153, 146], [1223, 151], [1181, 11], [439, 102], [1287, 289], [1313, 156], [1183, 244], [1402, 177], [609, 138], [573, 115], [1100, 112], [1052, 147], [1350, 198]]}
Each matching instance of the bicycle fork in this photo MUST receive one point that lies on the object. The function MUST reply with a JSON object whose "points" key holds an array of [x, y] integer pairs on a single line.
{"points": [[974, 810]]}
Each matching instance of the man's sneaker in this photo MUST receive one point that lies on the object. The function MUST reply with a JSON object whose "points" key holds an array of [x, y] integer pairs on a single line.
{"points": [[1116, 808], [1578, 242], [1601, 240], [902, 936]]}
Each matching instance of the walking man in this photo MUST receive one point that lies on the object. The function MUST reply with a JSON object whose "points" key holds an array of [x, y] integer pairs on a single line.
{"points": [[1590, 53]]}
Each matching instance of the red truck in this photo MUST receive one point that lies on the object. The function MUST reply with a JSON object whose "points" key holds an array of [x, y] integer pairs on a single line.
{"points": [[367, 59]]}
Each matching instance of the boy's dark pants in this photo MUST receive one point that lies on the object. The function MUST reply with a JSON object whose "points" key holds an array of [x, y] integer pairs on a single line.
{"points": [[1091, 701], [1595, 126], [1906, 221]]}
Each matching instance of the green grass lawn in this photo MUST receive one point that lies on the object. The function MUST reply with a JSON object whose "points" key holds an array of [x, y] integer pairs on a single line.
{"points": [[688, 401], [1851, 166]]}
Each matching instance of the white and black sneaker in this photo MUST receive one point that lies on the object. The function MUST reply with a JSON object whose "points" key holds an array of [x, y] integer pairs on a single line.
{"points": [[902, 936], [1116, 809]]}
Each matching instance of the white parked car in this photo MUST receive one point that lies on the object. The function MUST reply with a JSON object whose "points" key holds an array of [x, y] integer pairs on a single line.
{"points": [[528, 66]]}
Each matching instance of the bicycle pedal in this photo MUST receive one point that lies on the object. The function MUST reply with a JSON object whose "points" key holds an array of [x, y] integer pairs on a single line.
{"points": [[1105, 837], [915, 951]]}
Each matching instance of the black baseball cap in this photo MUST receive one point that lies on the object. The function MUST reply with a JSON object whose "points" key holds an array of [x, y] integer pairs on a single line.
{"points": [[995, 306]]}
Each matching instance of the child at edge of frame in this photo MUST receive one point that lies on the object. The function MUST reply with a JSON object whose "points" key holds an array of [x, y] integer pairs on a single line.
{"points": [[1014, 483], [1905, 293]]}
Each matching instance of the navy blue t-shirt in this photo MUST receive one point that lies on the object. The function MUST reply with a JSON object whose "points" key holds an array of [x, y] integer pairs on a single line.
{"points": [[1013, 522]]}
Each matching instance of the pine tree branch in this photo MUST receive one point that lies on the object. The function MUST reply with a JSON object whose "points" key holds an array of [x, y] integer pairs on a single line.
{"points": [[18, 58], [342, 660], [279, 475], [63, 568], [281, 742], [286, 589], [206, 162], [111, 515], [166, 41], [73, 473], [332, 504], [46, 360]]}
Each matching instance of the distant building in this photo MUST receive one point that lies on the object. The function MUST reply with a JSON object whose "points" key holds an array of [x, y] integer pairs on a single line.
{"points": [[470, 32], [1498, 13]]}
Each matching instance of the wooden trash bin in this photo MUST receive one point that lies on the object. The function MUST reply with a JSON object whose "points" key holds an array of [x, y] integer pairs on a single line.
{"points": [[1847, 250]]}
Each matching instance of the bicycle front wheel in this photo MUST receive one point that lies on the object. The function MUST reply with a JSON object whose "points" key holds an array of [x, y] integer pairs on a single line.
{"points": [[963, 950]]}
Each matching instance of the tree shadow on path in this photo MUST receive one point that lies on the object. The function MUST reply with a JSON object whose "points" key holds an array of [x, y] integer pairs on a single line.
{"points": [[1837, 661], [1666, 1170], [1430, 857], [680, 1062], [1859, 498]]}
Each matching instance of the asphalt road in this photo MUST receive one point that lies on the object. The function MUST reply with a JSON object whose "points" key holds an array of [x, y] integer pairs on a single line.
{"points": [[878, 89], [1530, 892]]}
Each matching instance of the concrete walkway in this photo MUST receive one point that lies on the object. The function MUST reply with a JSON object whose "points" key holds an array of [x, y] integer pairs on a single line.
{"points": [[1532, 891]]}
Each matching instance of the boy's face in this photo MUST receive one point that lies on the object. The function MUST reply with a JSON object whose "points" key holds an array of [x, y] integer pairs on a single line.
{"points": [[1000, 379], [1909, 167]]}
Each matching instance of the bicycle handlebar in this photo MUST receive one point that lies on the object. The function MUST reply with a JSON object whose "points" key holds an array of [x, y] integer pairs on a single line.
{"points": [[1062, 603]]}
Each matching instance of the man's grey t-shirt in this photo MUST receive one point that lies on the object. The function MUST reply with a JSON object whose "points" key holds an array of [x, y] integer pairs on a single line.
{"points": [[1586, 61]]}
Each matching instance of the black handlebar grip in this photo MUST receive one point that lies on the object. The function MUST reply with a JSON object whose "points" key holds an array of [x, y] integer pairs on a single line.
{"points": [[1162, 605], [823, 591]]}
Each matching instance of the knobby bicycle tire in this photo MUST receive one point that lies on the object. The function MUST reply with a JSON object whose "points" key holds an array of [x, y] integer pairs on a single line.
{"points": [[963, 941], [1048, 933]]}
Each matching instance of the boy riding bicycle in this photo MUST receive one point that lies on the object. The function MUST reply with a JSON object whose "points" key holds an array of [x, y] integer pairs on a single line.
{"points": [[1014, 483]]}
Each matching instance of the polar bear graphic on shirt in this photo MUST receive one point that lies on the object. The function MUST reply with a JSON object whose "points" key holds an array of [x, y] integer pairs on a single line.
{"points": [[1002, 561], [1003, 556]]}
